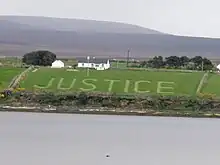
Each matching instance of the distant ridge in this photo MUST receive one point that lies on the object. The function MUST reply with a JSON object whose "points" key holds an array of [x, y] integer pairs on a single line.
{"points": [[78, 25], [73, 37]]}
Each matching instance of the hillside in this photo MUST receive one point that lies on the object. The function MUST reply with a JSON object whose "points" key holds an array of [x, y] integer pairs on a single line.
{"points": [[77, 25], [71, 37]]}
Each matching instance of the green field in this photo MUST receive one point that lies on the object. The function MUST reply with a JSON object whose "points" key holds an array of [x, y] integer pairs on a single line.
{"points": [[7, 74], [118, 64], [213, 85], [119, 81], [10, 61]]}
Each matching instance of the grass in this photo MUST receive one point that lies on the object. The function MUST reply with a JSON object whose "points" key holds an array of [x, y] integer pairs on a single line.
{"points": [[213, 85], [119, 65], [174, 82], [10, 61], [7, 74]]}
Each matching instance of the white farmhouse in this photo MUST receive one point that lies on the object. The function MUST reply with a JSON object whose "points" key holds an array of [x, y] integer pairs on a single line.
{"points": [[98, 64], [57, 64], [218, 67]]}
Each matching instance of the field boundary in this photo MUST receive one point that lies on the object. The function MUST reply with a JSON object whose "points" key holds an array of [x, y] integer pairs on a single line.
{"points": [[12, 81], [159, 70], [16, 79], [201, 83]]}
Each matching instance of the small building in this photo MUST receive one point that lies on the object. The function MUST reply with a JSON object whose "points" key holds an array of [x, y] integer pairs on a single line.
{"points": [[218, 67], [57, 64], [94, 63]]}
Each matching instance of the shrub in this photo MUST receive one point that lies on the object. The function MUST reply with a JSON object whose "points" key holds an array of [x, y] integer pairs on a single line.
{"points": [[110, 100]]}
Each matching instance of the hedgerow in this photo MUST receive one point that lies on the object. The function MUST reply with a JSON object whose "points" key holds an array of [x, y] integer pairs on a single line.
{"points": [[111, 100]]}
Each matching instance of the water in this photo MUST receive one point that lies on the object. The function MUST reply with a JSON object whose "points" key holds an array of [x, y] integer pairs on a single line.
{"points": [[57, 139]]}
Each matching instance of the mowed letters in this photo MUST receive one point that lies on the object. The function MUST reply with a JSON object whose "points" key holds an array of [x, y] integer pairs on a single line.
{"points": [[90, 84]]}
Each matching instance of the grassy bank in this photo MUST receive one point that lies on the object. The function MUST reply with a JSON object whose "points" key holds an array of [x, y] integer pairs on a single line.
{"points": [[102, 103]]}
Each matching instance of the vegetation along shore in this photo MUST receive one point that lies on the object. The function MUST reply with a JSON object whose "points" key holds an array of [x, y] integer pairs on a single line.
{"points": [[174, 86]]}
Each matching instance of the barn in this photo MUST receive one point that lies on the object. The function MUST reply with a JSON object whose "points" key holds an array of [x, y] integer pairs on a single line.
{"points": [[57, 64], [95, 63]]}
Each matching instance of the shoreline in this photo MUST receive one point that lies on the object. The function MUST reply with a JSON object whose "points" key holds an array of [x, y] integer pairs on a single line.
{"points": [[116, 112]]}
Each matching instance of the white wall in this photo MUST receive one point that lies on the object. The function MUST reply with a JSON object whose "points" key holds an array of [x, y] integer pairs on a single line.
{"points": [[92, 65], [57, 65], [85, 65]]}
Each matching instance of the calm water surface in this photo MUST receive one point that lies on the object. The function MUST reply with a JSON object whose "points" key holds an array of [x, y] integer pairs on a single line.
{"points": [[56, 139]]}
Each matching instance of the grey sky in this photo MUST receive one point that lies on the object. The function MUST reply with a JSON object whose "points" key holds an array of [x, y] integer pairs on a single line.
{"points": [[182, 17]]}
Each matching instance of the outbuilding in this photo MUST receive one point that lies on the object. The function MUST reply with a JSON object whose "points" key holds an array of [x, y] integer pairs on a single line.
{"points": [[57, 64], [218, 67]]}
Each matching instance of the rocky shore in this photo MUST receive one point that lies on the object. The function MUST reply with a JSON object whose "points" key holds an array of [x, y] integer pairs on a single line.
{"points": [[107, 111]]}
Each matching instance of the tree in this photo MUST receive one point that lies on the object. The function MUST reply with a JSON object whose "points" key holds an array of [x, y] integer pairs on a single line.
{"points": [[202, 63], [173, 61], [197, 60], [156, 62], [143, 64], [191, 66], [207, 64], [41, 58], [184, 60]]}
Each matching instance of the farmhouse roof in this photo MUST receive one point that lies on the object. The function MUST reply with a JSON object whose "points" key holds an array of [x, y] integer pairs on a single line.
{"points": [[56, 61], [92, 60]]}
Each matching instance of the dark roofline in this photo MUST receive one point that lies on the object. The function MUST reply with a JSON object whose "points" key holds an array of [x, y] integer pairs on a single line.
{"points": [[95, 60]]}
